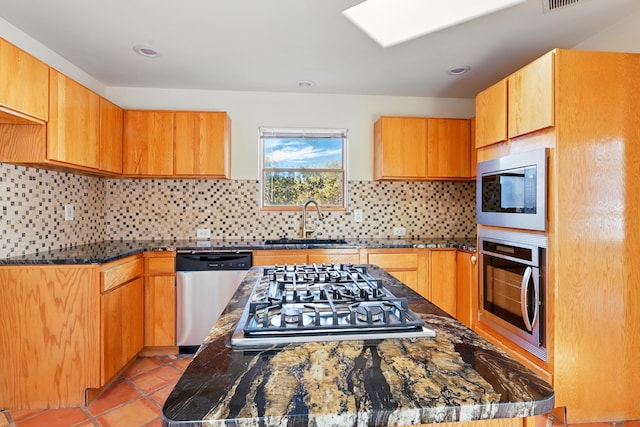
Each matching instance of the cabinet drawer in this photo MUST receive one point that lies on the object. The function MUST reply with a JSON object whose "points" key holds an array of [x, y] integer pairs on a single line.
{"points": [[394, 261], [161, 264], [121, 272]]}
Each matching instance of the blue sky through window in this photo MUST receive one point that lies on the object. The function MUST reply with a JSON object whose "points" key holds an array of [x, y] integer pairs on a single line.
{"points": [[316, 153]]}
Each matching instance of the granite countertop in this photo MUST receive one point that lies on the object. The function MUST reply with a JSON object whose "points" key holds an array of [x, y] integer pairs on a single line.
{"points": [[456, 376], [105, 251]]}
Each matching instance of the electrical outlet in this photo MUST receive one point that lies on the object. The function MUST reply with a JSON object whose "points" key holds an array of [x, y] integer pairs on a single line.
{"points": [[399, 231], [203, 233], [68, 212], [357, 215]]}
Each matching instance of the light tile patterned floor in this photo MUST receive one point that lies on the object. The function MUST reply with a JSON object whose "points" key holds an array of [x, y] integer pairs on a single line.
{"points": [[134, 399]]}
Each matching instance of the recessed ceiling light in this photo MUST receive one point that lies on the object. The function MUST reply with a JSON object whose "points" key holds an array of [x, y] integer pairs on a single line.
{"points": [[147, 51], [456, 71], [305, 83], [390, 22]]}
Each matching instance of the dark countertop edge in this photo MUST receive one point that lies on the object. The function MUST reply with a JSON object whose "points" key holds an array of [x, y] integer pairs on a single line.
{"points": [[527, 407], [106, 251]]}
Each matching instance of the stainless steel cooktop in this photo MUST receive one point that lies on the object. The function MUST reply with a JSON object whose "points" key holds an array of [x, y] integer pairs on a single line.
{"points": [[304, 303]]}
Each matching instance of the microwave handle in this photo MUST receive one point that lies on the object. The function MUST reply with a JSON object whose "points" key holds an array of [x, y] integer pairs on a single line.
{"points": [[524, 304]]}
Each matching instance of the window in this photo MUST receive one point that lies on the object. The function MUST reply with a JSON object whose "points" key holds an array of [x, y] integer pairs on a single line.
{"points": [[302, 164]]}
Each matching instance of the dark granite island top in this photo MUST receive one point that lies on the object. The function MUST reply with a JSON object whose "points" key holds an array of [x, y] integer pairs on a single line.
{"points": [[456, 376]]}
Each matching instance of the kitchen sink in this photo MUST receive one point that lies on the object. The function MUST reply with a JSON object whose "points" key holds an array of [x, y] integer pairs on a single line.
{"points": [[305, 242]]}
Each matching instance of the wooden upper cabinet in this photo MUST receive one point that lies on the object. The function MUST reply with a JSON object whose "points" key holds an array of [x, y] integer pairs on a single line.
{"points": [[24, 82], [531, 97], [422, 148], [474, 150], [449, 148], [73, 128], [202, 144], [148, 143], [111, 119], [400, 148], [491, 115]]}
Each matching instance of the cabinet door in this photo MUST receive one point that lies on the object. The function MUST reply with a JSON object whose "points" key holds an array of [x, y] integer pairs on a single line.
{"points": [[24, 82], [531, 97], [449, 150], [289, 257], [111, 119], [474, 150], [400, 148], [73, 128], [148, 143], [333, 257], [160, 313], [122, 311], [202, 144], [442, 279], [409, 278], [406, 265], [491, 115], [466, 288]]}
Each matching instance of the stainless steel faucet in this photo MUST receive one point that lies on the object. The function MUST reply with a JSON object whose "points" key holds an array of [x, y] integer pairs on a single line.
{"points": [[305, 232]]}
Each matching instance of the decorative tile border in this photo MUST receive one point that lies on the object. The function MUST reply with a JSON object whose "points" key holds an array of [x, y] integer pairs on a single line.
{"points": [[32, 201]]}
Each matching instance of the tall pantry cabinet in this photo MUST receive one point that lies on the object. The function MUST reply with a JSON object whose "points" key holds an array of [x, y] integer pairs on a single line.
{"points": [[585, 107]]}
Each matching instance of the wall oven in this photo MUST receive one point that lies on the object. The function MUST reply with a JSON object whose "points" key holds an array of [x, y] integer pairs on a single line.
{"points": [[512, 191], [513, 287]]}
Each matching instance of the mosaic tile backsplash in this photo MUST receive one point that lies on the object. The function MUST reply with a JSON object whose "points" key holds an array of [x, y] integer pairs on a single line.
{"points": [[32, 210]]}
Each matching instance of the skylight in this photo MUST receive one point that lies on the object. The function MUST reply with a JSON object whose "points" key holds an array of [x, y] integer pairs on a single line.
{"points": [[390, 22]]}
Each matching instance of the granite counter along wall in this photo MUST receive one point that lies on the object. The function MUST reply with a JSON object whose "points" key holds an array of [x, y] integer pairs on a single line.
{"points": [[32, 204]]}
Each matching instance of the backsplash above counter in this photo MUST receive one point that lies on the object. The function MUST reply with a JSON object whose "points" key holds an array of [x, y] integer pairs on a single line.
{"points": [[32, 210]]}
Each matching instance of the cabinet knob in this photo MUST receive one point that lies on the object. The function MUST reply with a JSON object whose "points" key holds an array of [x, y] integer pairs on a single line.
{"points": [[474, 259]]}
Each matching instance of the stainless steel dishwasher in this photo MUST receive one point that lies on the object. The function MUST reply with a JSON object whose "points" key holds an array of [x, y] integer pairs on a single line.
{"points": [[205, 282]]}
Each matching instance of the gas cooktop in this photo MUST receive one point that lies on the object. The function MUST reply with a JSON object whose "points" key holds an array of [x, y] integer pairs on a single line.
{"points": [[303, 303]]}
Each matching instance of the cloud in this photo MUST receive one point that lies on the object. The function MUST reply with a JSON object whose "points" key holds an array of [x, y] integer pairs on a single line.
{"points": [[296, 151]]}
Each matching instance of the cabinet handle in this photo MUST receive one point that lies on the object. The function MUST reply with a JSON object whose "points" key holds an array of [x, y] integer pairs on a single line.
{"points": [[474, 259]]}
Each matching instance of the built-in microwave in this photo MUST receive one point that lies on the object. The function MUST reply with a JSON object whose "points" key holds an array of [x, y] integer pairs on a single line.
{"points": [[512, 191], [513, 288]]}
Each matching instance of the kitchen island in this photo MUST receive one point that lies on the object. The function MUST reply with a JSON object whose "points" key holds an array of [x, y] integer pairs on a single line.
{"points": [[456, 376]]}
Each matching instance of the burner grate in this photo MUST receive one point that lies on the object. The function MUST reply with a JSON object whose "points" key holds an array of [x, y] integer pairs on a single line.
{"points": [[297, 303]]}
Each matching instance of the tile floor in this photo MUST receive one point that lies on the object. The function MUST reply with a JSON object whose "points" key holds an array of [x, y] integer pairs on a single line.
{"points": [[134, 399]]}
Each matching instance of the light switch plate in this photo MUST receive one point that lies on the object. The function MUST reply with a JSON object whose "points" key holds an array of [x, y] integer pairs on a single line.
{"points": [[68, 212], [203, 233], [399, 231], [357, 215]]}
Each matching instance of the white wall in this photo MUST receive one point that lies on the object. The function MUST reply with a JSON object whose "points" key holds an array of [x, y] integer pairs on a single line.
{"points": [[620, 37], [251, 110], [46, 55]]}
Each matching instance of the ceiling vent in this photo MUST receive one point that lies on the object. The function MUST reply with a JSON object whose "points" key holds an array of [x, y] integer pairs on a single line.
{"points": [[551, 5]]}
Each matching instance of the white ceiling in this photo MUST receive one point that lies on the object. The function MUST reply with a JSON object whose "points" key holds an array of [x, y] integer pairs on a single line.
{"points": [[260, 45]]}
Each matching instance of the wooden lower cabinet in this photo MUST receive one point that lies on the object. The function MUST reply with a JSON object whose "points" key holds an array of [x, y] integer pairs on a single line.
{"points": [[442, 279], [49, 335], [305, 256], [160, 299], [121, 314], [122, 330], [409, 265], [466, 287]]}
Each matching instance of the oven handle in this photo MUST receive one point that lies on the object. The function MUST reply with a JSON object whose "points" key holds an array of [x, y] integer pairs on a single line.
{"points": [[524, 304]]}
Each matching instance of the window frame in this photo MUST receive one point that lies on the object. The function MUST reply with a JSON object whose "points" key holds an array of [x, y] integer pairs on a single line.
{"points": [[292, 132]]}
